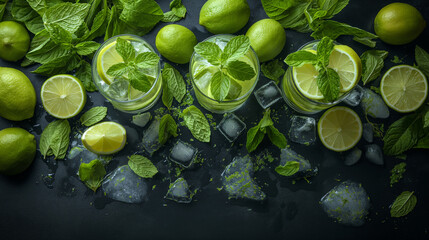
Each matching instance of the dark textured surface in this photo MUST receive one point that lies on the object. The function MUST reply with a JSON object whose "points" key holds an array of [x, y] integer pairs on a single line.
{"points": [[31, 210]]}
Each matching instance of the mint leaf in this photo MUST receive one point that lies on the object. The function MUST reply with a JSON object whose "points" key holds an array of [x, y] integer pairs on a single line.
{"points": [[403, 134], [335, 29], [170, 17], [93, 116], [69, 16], [125, 49], [422, 60], [273, 70], [219, 86], [59, 65], [86, 48], [40, 6], [117, 70], [299, 58], [254, 138], [423, 142], [58, 34], [142, 119], [426, 119], [276, 137], [403, 204], [99, 24], [92, 174], [167, 95], [397, 172], [22, 12], [175, 83], [142, 166], [289, 169], [372, 64], [139, 80], [236, 47], [3, 4], [290, 14], [240, 70], [147, 60], [167, 128], [43, 49], [209, 51], [84, 74], [324, 50], [266, 120], [141, 13], [197, 123], [54, 139], [328, 82]]}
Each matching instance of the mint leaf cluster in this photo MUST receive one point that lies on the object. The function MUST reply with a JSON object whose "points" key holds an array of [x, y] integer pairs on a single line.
{"points": [[256, 134], [131, 68], [328, 80], [230, 68], [178, 11], [313, 15]]}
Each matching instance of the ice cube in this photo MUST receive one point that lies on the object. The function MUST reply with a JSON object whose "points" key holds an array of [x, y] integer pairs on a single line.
{"points": [[183, 154], [231, 127], [368, 132], [303, 130], [374, 105], [151, 137], [354, 97], [125, 186], [179, 192], [237, 179], [118, 90], [141, 119], [305, 169], [353, 156], [268, 94], [348, 202], [374, 154]]}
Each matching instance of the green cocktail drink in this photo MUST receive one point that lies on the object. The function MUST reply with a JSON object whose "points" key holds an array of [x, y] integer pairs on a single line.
{"points": [[118, 87], [300, 88], [202, 73]]}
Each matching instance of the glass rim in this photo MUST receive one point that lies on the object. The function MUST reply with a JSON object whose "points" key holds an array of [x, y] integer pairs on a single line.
{"points": [[229, 101], [312, 101], [95, 73]]}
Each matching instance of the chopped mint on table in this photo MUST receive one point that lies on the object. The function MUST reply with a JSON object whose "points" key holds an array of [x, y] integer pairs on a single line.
{"points": [[396, 60], [397, 172], [226, 60]]}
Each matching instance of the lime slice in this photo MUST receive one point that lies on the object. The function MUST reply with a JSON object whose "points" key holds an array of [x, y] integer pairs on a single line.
{"points": [[63, 96], [343, 60], [404, 88], [107, 58], [339, 129], [348, 65], [105, 138]]}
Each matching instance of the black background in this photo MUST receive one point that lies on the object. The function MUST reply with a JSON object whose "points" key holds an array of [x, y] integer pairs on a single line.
{"points": [[31, 210]]}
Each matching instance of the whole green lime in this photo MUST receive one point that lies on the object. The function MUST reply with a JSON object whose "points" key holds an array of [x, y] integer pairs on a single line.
{"points": [[224, 16], [17, 95], [17, 150], [267, 37], [176, 43], [398, 23], [14, 41]]}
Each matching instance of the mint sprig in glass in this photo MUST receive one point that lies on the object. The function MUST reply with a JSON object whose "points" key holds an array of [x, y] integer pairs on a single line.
{"points": [[224, 70]]}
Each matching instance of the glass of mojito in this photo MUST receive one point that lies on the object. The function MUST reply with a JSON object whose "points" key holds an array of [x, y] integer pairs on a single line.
{"points": [[302, 81], [224, 70], [127, 71]]}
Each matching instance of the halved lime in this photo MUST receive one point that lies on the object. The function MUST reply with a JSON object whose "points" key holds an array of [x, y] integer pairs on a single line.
{"points": [[339, 129], [63, 96], [105, 138], [404, 88]]}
